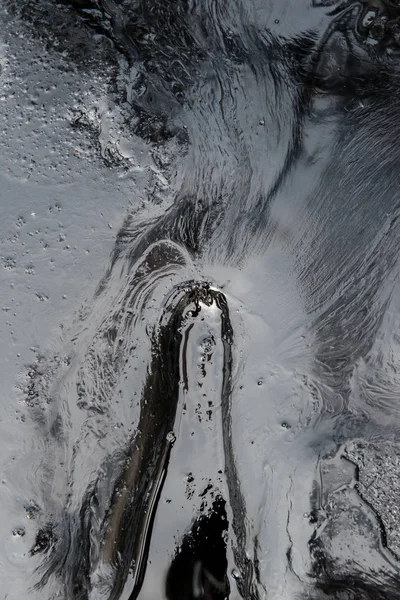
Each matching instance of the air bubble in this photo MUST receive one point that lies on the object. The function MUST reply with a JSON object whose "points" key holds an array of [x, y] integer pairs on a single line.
{"points": [[171, 437], [236, 574]]}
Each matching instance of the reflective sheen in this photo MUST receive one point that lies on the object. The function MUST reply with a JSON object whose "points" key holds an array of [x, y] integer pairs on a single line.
{"points": [[225, 420]]}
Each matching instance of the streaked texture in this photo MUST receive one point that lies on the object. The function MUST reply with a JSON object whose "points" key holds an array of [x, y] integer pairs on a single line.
{"points": [[219, 416]]}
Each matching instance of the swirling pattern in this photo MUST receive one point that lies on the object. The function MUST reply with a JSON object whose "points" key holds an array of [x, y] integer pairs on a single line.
{"points": [[236, 375]]}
